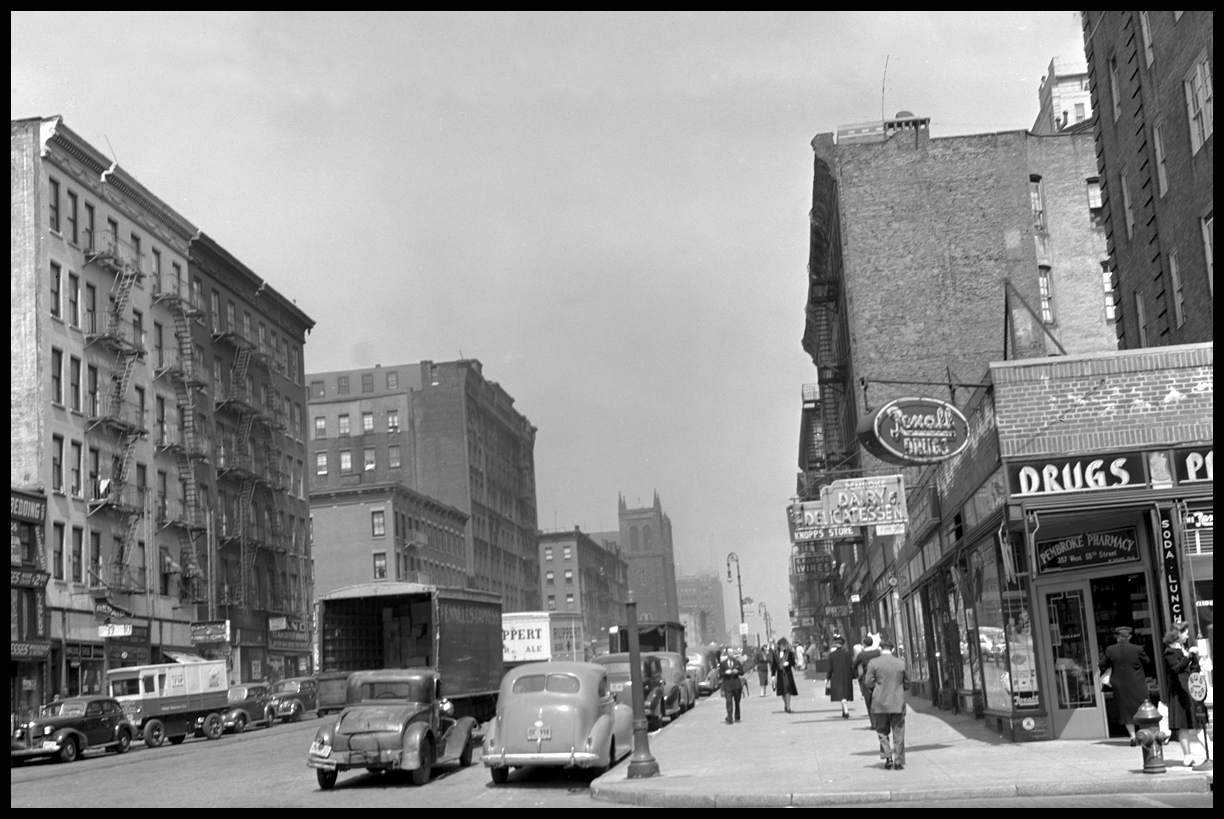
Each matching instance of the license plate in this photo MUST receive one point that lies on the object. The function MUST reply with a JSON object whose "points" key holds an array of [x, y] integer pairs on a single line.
{"points": [[48, 745], [539, 732], [617, 686]]}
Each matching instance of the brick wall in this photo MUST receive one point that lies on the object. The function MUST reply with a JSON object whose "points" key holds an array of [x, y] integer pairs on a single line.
{"points": [[1100, 403], [26, 308]]}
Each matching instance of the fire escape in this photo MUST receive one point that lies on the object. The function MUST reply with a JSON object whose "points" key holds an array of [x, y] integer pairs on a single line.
{"points": [[113, 413], [270, 421], [186, 442], [236, 464]]}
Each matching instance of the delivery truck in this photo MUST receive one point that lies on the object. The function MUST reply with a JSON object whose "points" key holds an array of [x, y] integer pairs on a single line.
{"points": [[542, 636], [168, 701], [652, 636], [455, 632]]}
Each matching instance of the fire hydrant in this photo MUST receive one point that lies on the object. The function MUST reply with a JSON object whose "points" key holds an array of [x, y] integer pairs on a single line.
{"points": [[1151, 738]]}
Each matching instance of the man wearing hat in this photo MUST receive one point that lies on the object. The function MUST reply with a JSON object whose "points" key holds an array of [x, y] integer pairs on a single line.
{"points": [[1126, 663], [888, 681]]}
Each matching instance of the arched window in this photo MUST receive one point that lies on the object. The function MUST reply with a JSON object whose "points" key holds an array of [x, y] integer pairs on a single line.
{"points": [[647, 538]]}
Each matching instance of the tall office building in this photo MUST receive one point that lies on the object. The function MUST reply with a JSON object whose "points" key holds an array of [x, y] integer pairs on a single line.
{"points": [[1152, 74], [700, 598], [443, 431], [157, 400]]}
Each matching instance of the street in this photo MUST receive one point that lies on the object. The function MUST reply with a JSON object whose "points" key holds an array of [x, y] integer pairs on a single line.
{"points": [[267, 768]]}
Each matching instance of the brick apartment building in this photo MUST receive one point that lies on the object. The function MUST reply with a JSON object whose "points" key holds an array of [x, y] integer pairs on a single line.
{"points": [[1151, 77], [443, 432], [579, 574], [156, 404]]}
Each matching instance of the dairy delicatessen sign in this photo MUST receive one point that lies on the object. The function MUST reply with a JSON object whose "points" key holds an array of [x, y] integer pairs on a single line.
{"points": [[848, 504]]}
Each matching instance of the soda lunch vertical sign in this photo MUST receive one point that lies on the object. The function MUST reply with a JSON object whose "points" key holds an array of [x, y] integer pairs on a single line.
{"points": [[1172, 567]]}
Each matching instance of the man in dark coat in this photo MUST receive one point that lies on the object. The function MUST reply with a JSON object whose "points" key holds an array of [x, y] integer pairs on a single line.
{"points": [[888, 681], [840, 683], [1127, 663], [869, 653], [731, 672]]}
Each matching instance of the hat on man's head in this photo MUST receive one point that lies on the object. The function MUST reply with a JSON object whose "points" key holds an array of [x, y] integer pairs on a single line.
{"points": [[1123, 631], [886, 639]]}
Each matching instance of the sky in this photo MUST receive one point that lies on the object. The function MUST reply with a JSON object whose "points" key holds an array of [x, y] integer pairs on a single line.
{"points": [[608, 210]]}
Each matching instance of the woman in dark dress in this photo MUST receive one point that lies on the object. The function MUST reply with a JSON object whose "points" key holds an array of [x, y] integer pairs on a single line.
{"points": [[1128, 678], [1185, 715], [784, 672], [840, 682]]}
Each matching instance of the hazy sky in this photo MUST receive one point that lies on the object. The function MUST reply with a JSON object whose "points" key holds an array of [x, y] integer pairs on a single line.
{"points": [[608, 210]]}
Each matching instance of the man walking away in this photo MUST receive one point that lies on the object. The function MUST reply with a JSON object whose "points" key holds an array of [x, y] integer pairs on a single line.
{"points": [[869, 653], [731, 673], [888, 681]]}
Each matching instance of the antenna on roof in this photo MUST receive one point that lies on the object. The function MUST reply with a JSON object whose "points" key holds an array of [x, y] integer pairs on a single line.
{"points": [[882, 85], [114, 158]]}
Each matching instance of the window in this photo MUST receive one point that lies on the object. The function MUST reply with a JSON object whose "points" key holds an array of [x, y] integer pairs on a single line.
{"points": [[56, 286], [73, 235], [91, 308], [367, 382], [1141, 319], [1126, 207], [393, 381], [346, 461], [136, 253], [214, 312], [393, 457], [74, 300], [1145, 28], [548, 554], [552, 602], [316, 389], [57, 376], [57, 463], [344, 425], [342, 384], [378, 523], [57, 549], [95, 558], [569, 577], [1111, 309], [53, 204], [1162, 173], [1207, 228], [1095, 205], [1047, 295], [566, 552], [1115, 88], [155, 268], [74, 383], [321, 463], [1080, 112], [1037, 203], [369, 459], [1199, 103], [569, 602], [550, 578], [166, 564], [91, 394], [89, 225], [78, 554], [367, 422], [298, 415], [380, 565], [74, 470], [320, 427], [392, 420], [1179, 297]]}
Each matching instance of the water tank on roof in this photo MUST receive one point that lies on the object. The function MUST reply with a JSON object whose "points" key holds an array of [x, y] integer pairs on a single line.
{"points": [[904, 115]]}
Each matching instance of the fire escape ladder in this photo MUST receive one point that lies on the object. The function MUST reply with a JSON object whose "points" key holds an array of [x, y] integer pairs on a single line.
{"points": [[249, 545]]}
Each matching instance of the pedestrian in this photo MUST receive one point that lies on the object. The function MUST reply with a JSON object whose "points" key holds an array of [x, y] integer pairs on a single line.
{"points": [[762, 660], [784, 672], [1125, 663], [839, 685], [1186, 717], [869, 653], [731, 672], [888, 681]]}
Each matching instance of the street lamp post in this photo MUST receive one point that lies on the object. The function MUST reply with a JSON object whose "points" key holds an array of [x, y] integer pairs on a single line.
{"points": [[764, 612], [642, 765], [740, 584]]}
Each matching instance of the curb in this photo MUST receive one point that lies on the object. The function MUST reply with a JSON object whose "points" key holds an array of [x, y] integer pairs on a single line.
{"points": [[621, 792]]}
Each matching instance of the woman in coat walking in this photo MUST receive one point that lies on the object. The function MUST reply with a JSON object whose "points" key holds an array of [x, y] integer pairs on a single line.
{"points": [[1126, 663], [784, 672], [1186, 716], [840, 683]]}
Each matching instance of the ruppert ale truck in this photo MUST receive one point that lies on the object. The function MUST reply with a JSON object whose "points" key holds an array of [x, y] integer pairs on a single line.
{"points": [[171, 700]]}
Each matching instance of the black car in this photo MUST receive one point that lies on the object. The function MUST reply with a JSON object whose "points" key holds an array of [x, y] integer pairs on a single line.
{"points": [[67, 728]]}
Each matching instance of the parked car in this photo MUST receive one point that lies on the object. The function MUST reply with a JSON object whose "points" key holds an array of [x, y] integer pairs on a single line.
{"points": [[68, 728], [250, 704], [703, 666], [679, 691], [394, 719], [620, 682], [333, 687], [561, 714], [293, 697]]}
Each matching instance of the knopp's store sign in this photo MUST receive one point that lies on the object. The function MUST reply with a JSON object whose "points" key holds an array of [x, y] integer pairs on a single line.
{"points": [[847, 504], [914, 431]]}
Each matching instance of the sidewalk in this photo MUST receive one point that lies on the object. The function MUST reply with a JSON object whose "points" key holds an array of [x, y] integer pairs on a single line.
{"points": [[814, 757]]}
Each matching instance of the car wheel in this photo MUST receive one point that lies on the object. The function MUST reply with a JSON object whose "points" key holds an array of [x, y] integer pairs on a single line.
{"points": [[68, 750], [297, 713], [499, 775], [124, 743], [270, 717], [654, 722], [177, 739], [420, 776], [465, 758], [154, 733], [213, 726], [327, 779], [600, 770], [240, 724], [321, 713]]}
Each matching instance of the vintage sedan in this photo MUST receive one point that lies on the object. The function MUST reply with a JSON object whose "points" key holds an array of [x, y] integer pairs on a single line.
{"points": [[293, 697], [560, 715], [394, 719], [703, 666], [67, 728], [249, 704], [621, 683], [679, 690]]}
